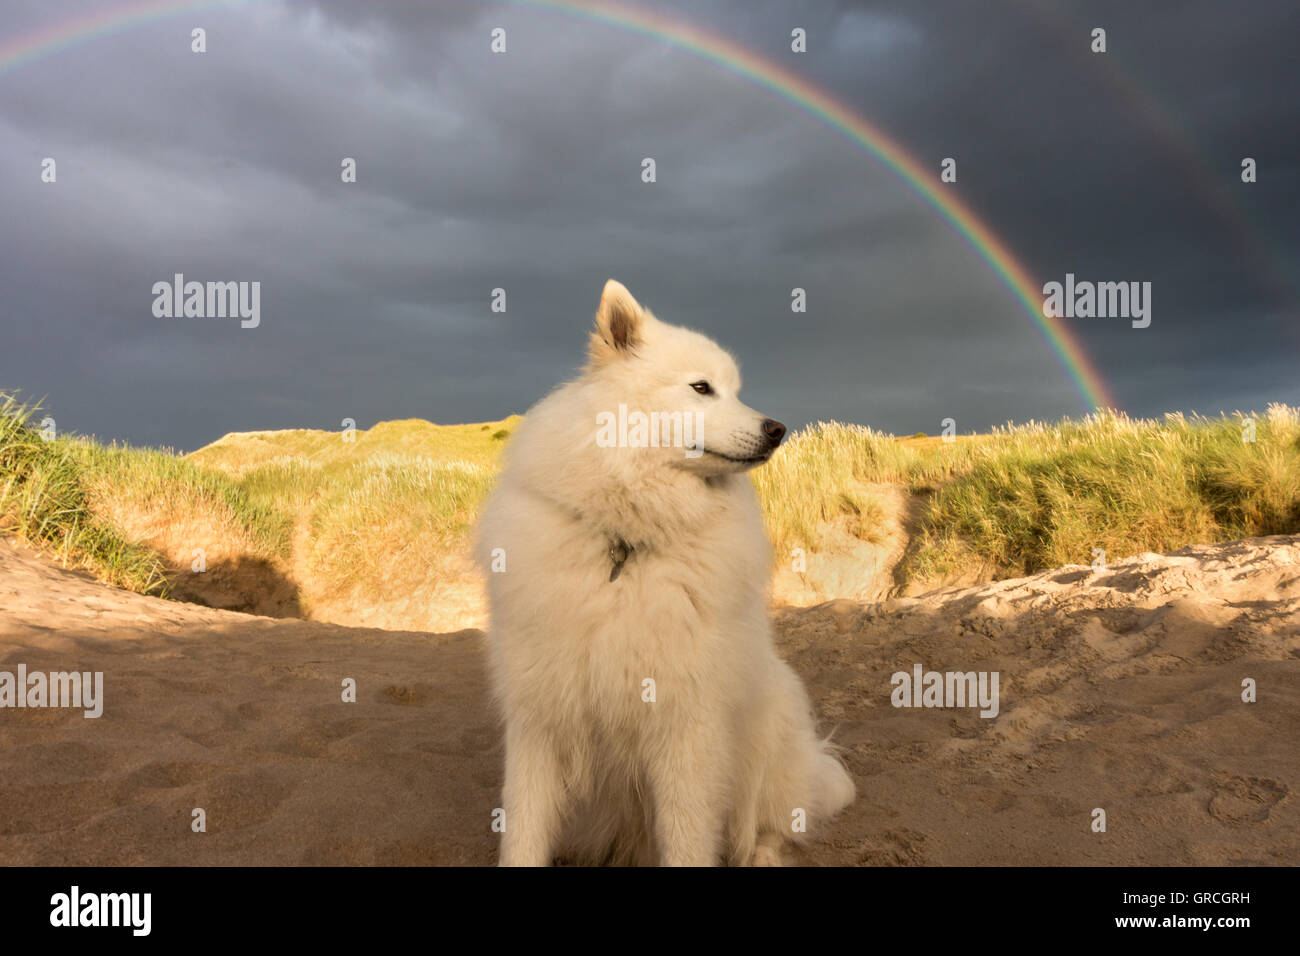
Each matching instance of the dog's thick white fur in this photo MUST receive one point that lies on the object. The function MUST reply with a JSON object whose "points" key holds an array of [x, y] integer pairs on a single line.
{"points": [[716, 759]]}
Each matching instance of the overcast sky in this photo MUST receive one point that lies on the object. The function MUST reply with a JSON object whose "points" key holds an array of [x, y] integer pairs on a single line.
{"points": [[522, 171]]}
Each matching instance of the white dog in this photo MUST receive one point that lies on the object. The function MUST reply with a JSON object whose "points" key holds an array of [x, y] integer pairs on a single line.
{"points": [[648, 717]]}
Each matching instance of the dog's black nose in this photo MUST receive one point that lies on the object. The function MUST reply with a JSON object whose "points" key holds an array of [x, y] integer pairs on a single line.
{"points": [[773, 430]]}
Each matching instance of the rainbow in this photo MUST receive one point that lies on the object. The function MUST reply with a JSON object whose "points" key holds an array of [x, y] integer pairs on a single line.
{"points": [[1160, 124], [710, 46]]}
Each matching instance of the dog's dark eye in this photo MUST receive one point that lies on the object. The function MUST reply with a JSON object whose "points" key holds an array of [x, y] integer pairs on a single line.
{"points": [[702, 387]]}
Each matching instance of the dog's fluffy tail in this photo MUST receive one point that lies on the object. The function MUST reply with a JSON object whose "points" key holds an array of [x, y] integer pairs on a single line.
{"points": [[834, 788]]}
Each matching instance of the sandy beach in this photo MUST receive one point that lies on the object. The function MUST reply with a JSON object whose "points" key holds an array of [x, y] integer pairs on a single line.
{"points": [[1119, 690]]}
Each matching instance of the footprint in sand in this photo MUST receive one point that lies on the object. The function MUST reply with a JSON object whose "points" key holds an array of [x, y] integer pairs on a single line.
{"points": [[414, 695], [901, 847], [1245, 801]]}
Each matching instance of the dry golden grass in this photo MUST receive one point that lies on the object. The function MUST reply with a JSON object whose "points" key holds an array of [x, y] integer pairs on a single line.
{"points": [[44, 499], [1027, 497], [385, 514], [376, 515]]}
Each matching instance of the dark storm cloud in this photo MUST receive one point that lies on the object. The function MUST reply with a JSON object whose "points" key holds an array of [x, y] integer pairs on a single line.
{"points": [[521, 171]]}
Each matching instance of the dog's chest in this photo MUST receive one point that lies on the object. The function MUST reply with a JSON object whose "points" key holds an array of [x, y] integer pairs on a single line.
{"points": [[659, 622]]}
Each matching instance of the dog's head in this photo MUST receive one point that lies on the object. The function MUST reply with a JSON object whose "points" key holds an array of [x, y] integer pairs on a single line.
{"points": [[677, 391]]}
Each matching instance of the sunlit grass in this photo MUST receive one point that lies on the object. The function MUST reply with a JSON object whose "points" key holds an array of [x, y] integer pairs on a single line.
{"points": [[382, 511], [1033, 496], [44, 499]]}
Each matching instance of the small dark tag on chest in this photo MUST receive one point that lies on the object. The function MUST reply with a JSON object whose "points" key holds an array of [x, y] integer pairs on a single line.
{"points": [[619, 552]]}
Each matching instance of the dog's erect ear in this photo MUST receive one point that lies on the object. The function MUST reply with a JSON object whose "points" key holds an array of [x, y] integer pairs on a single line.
{"points": [[620, 324]]}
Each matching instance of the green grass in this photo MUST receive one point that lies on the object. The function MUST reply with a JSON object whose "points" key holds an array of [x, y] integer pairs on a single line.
{"points": [[1040, 497], [819, 473], [382, 512], [1034, 496], [158, 481], [386, 525], [44, 499], [375, 510]]}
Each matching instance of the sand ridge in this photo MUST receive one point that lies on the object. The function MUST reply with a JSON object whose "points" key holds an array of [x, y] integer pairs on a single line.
{"points": [[1120, 689]]}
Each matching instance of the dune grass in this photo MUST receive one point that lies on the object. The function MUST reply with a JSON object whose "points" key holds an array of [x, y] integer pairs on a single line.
{"points": [[818, 477], [1027, 497], [392, 523], [334, 451], [124, 481], [379, 509], [370, 509], [1037, 496], [382, 511], [44, 499]]}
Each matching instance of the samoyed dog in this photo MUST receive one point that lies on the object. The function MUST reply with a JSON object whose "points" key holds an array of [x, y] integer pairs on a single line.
{"points": [[648, 718]]}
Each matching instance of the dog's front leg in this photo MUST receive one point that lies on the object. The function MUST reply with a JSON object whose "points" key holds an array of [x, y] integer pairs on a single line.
{"points": [[687, 778], [534, 789]]}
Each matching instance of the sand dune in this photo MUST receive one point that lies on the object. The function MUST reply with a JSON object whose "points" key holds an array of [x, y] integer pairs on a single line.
{"points": [[1118, 689]]}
